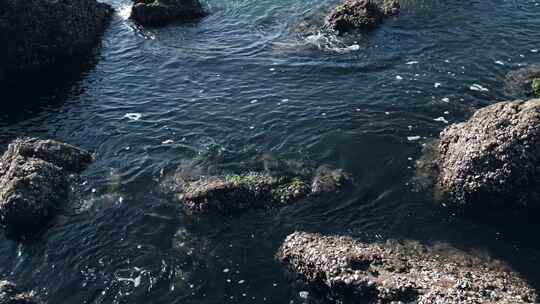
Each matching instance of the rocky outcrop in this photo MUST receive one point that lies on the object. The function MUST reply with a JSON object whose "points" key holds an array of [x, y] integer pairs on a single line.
{"points": [[359, 15], [34, 180], [524, 82], [10, 295], [37, 33], [349, 271], [494, 157], [162, 12], [255, 190]]}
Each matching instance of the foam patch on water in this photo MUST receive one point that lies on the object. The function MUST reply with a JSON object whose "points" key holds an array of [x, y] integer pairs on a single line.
{"points": [[479, 88], [124, 11], [330, 42], [133, 116]]}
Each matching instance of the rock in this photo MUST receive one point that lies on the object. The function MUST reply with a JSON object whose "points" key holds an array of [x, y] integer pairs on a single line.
{"points": [[254, 190], [235, 193], [524, 82], [536, 87], [162, 12], [349, 271], [327, 180], [34, 180], [10, 295], [359, 15], [38, 33], [494, 157]]}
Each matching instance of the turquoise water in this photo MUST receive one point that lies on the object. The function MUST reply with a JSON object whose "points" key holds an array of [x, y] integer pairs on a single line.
{"points": [[242, 85]]}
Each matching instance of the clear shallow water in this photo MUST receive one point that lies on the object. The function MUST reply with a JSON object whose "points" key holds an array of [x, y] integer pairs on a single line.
{"points": [[239, 86]]}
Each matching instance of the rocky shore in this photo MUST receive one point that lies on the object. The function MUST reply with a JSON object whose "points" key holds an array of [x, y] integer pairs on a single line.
{"points": [[254, 190], [9, 294], [163, 12], [38, 33], [34, 181], [493, 157], [524, 82], [349, 271], [359, 15]]}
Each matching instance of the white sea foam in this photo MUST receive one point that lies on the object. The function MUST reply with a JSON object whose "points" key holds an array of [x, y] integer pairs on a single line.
{"points": [[133, 116], [330, 42], [441, 119], [477, 87], [124, 11]]}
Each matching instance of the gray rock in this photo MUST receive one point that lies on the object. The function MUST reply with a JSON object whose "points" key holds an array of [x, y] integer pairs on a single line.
{"points": [[34, 179], [38, 33], [162, 12], [399, 272], [10, 295], [520, 82], [494, 157], [233, 193], [359, 15], [327, 180], [254, 190]]}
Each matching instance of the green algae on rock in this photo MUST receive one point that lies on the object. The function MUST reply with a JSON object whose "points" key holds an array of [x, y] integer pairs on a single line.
{"points": [[535, 84], [253, 190], [521, 82]]}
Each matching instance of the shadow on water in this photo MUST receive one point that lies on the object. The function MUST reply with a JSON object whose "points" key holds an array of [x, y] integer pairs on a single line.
{"points": [[27, 93]]}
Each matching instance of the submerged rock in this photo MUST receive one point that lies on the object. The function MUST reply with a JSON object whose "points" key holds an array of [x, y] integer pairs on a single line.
{"points": [[10, 295], [327, 180], [37, 33], [162, 12], [524, 82], [34, 179], [494, 157], [399, 272], [359, 15], [255, 190]]}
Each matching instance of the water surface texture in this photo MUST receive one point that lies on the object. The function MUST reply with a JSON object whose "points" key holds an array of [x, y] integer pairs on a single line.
{"points": [[239, 87]]}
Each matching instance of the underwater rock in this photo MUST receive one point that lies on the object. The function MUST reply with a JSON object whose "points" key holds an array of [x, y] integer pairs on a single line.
{"points": [[359, 15], [162, 12], [524, 82], [34, 179], [349, 271], [494, 157], [327, 180], [255, 190], [10, 295], [37, 33]]}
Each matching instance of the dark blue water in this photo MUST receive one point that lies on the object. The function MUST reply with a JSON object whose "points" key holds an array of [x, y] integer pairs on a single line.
{"points": [[240, 86]]}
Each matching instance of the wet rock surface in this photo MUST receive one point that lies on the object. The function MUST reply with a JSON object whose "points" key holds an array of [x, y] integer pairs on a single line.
{"points": [[34, 179], [254, 190], [10, 295], [524, 82], [359, 15], [494, 157], [37, 33], [349, 271], [162, 12]]}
